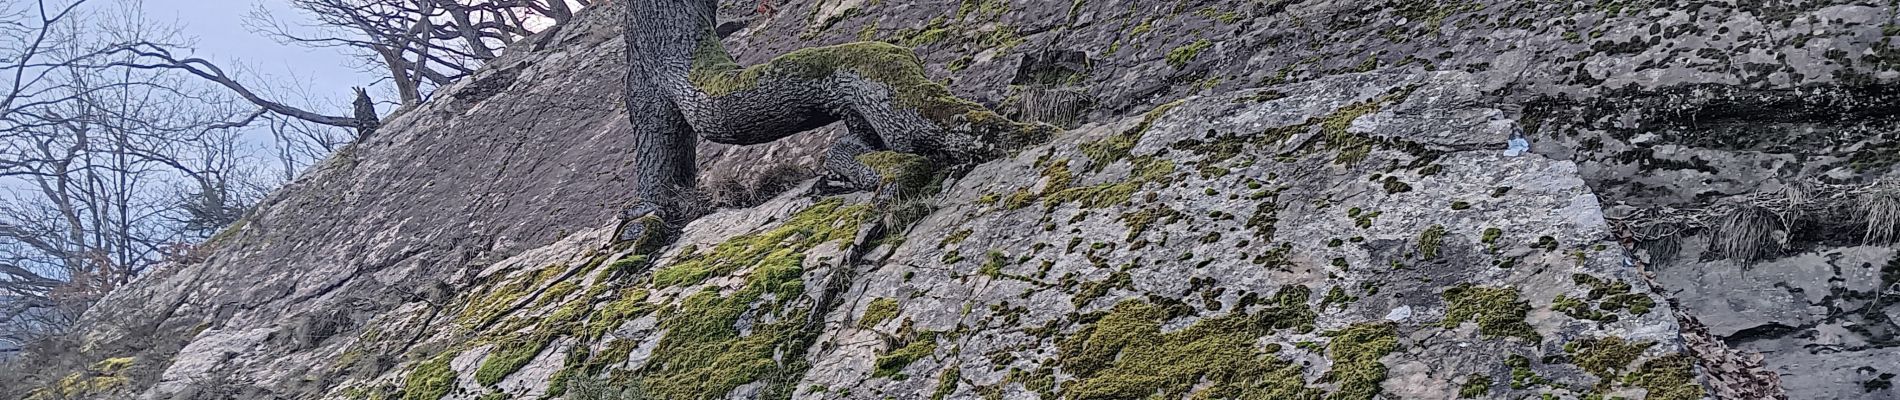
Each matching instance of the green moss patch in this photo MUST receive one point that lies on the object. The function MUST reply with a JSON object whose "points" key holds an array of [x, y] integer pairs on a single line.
{"points": [[784, 245], [1429, 240], [1111, 194], [1670, 377], [1496, 310], [947, 382], [631, 304], [1356, 368], [908, 173], [1606, 357], [1108, 150], [880, 310], [500, 298], [890, 364], [1476, 385], [431, 379], [703, 354], [509, 356], [1180, 56], [1126, 355]]}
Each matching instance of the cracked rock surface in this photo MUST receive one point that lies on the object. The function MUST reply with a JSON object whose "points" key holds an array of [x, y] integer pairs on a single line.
{"points": [[1280, 199]]}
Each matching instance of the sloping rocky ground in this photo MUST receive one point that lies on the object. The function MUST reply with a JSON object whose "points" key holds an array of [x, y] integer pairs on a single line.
{"points": [[1264, 199]]}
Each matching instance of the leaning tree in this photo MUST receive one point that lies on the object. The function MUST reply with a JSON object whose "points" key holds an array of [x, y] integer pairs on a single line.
{"points": [[681, 83]]}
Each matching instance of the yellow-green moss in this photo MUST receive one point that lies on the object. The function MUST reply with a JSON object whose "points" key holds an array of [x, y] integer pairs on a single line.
{"points": [[1496, 310], [1670, 377], [715, 73], [431, 379], [881, 309], [1089, 291], [993, 263], [1476, 385], [890, 364], [1607, 357], [702, 354], [509, 355], [909, 173], [1356, 351], [784, 245], [1180, 56], [556, 293], [1126, 355], [1111, 194], [1429, 240], [501, 297], [631, 304], [947, 382], [1113, 148], [99, 379], [1521, 374], [1139, 221]]}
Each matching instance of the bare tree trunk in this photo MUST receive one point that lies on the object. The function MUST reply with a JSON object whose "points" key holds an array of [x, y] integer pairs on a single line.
{"points": [[559, 11], [681, 83]]}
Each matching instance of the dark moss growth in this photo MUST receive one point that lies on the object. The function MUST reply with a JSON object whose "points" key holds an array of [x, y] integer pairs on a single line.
{"points": [[1394, 186], [1089, 291], [1138, 222], [1476, 385], [1356, 368], [947, 382], [1429, 240], [715, 73], [880, 310], [1126, 355], [890, 364], [1266, 215], [1336, 296], [1607, 357], [1670, 377], [1496, 310], [1491, 236], [955, 237], [993, 263], [1363, 220], [1547, 243], [1614, 295], [1577, 308], [1522, 376]]}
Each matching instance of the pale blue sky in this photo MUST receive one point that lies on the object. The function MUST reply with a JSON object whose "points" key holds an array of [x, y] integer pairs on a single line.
{"points": [[218, 29]]}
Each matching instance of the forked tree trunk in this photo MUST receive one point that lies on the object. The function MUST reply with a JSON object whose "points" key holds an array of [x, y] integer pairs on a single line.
{"points": [[682, 84]]}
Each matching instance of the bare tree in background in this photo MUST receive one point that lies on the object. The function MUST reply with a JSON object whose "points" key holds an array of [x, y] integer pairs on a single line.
{"points": [[104, 168], [417, 44]]}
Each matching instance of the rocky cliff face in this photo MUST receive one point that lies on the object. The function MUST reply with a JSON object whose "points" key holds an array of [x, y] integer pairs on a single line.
{"points": [[1257, 200]]}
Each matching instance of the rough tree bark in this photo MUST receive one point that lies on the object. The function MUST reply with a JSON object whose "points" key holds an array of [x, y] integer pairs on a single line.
{"points": [[681, 83]]}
